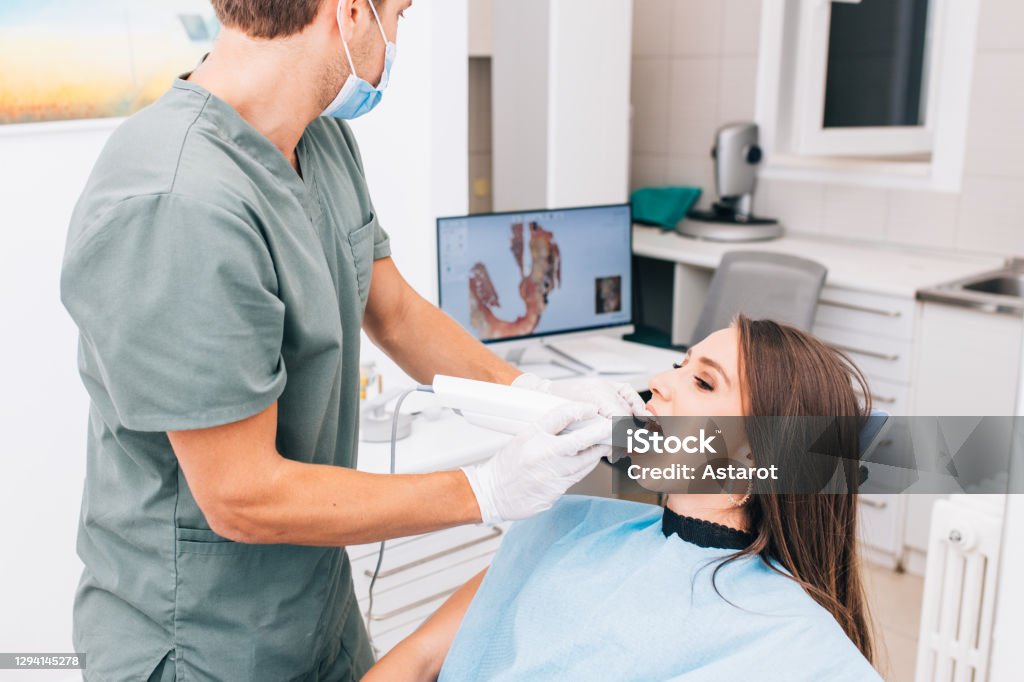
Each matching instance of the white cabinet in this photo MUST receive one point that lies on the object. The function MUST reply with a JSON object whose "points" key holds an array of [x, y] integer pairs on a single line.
{"points": [[876, 332], [881, 521], [968, 362]]}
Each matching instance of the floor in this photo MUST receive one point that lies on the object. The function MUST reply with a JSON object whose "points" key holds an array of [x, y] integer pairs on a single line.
{"points": [[895, 603]]}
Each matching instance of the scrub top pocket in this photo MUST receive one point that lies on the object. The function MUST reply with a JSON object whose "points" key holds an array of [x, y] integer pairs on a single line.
{"points": [[361, 241], [201, 541], [227, 630]]}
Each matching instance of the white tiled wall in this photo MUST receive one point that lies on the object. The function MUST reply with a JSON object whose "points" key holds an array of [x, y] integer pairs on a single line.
{"points": [[695, 68]]}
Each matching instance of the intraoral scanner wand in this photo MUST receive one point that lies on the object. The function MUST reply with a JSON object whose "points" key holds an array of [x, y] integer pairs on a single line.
{"points": [[502, 408]]}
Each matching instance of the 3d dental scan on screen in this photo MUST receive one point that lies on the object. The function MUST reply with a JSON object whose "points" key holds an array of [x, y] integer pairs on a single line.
{"points": [[472, 340], [508, 276]]}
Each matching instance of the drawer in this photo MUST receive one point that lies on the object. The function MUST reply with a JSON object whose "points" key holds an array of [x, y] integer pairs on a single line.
{"points": [[884, 358], [406, 560], [881, 521], [889, 396], [880, 315], [396, 599], [386, 635], [413, 547]]}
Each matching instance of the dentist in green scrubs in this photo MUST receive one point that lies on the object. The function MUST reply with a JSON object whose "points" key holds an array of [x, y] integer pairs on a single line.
{"points": [[220, 264]]}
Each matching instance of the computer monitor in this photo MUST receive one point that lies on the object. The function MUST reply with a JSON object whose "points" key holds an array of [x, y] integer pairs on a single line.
{"points": [[513, 276]]}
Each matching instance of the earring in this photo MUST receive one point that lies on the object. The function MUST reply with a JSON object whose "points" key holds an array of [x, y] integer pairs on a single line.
{"points": [[743, 500]]}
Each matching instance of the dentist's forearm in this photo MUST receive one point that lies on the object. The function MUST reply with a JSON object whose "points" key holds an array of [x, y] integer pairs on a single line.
{"points": [[424, 341], [250, 493], [316, 505], [421, 339]]}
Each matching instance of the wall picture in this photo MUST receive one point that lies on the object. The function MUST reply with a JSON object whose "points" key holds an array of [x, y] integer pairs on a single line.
{"points": [[65, 60]]}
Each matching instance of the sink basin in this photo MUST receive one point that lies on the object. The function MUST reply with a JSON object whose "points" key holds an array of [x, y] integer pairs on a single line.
{"points": [[997, 291], [1000, 286]]}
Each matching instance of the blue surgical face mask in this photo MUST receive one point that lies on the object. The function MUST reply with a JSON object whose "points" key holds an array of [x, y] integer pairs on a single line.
{"points": [[357, 96]]}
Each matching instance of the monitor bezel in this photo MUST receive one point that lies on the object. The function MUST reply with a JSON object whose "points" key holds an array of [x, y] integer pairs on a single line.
{"points": [[540, 335]]}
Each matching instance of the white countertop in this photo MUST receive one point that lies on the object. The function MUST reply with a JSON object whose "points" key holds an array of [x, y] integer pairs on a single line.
{"points": [[861, 266]]}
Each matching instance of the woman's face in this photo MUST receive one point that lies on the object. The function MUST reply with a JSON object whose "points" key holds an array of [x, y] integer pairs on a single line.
{"points": [[707, 382]]}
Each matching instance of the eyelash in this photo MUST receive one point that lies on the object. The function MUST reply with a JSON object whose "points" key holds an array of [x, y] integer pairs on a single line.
{"points": [[703, 385]]}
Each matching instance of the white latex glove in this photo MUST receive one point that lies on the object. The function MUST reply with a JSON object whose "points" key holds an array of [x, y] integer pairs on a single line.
{"points": [[610, 399], [529, 474]]}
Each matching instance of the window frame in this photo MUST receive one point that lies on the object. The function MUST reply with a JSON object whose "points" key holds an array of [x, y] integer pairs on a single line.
{"points": [[882, 158], [813, 139]]}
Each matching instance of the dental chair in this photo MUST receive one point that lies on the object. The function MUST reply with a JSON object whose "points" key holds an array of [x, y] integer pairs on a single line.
{"points": [[761, 285]]}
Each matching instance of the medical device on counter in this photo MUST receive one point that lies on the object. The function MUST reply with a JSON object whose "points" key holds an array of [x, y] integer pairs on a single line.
{"points": [[737, 155], [376, 423]]}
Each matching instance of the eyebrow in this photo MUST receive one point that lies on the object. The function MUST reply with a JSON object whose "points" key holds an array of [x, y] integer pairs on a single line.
{"points": [[713, 365]]}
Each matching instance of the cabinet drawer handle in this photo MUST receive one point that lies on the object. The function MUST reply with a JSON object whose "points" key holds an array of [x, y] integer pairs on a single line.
{"points": [[874, 504], [414, 605], [860, 308], [878, 398], [495, 532], [444, 568], [870, 353]]}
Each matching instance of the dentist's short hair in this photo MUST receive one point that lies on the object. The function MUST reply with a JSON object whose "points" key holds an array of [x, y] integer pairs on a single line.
{"points": [[267, 18]]}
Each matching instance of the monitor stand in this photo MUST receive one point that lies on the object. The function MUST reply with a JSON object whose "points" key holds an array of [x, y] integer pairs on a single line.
{"points": [[514, 356], [594, 353], [533, 356], [578, 353]]}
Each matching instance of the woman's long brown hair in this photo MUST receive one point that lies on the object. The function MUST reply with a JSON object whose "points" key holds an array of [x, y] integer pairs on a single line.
{"points": [[790, 373]]}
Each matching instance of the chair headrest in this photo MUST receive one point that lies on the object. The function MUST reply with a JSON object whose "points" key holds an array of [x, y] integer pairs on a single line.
{"points": [[869, 434]]}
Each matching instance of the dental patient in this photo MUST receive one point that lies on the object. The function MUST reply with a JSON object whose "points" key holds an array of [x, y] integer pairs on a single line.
{"points": [[757, 584]]}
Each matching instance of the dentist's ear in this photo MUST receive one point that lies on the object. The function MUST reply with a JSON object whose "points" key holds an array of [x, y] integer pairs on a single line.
{"points": [[349, 14]]}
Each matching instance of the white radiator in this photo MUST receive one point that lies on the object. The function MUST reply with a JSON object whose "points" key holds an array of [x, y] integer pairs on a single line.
{"points": [[960, 590]]}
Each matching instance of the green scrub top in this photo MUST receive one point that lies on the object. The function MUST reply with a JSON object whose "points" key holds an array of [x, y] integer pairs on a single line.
{"points": [[208, 280]]}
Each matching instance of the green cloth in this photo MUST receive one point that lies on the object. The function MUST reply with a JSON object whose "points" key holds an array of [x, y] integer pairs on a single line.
{"points": [[208, 280], [663, 206]]}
